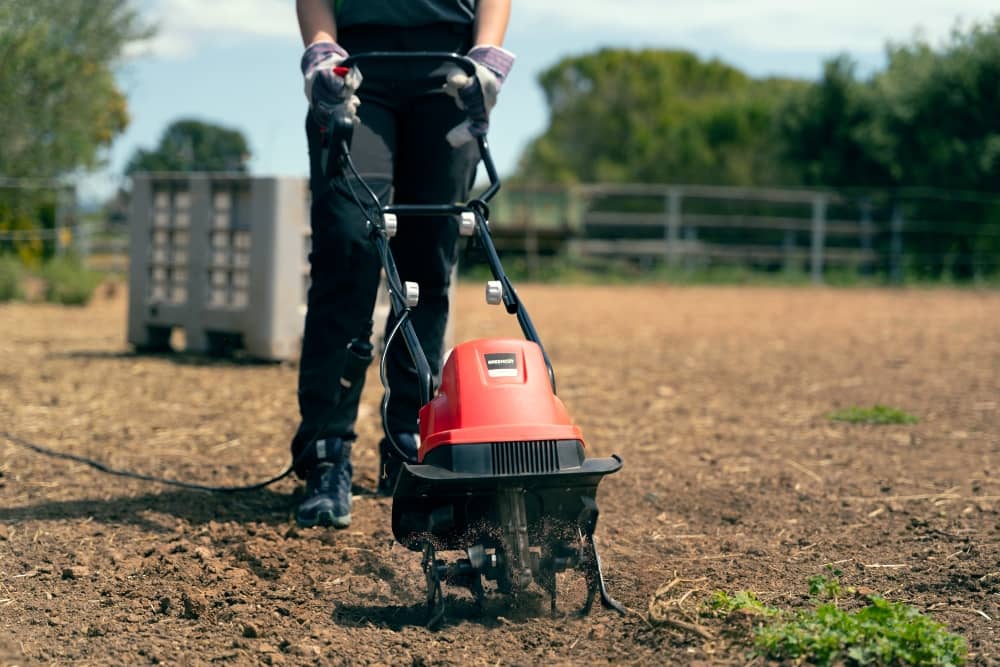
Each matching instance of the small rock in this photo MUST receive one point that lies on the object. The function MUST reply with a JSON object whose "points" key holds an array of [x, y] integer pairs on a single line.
{"points": [[598, 632], [165, 605], [5, 532], [250, 632]]}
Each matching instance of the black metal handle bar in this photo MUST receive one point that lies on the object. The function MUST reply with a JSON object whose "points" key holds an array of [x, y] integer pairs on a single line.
{"points": [[411, 57], [340, 137]]}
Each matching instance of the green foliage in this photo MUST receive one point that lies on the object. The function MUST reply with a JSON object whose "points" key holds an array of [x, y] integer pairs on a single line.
{"points": [[11, 274], [68, 282], [723, 604], [191, 145], [826, 586], [649, 116], [931, 119], [877, 414], [882, 633], [59, 104], [827, 131], [26, 210]]}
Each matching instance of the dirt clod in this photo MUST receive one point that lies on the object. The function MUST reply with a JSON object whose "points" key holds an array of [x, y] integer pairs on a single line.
{"points": [[75, 572], [194, 604]]}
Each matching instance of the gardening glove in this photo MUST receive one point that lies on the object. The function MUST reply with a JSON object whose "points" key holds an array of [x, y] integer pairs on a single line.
{"points": [[330, 88], [477, 95]]}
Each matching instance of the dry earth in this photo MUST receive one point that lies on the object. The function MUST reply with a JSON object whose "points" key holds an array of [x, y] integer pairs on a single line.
{"points": [[716, 398]]}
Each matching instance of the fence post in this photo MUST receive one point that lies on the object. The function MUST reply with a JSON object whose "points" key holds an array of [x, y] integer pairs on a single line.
{"points": [[788, 251], [896, 245], [867, 232], [530, 244], [673, 231], [818, 238]]}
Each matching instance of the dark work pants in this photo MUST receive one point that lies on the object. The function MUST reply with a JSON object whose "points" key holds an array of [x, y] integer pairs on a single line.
{"points": [[400, 150]]}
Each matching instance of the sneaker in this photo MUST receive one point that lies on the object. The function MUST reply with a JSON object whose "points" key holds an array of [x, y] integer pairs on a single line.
{"points": [[328, 493], [390, 463]]}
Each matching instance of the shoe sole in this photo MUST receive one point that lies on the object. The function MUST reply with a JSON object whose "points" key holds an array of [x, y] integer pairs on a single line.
{"points": [[325, 519]]}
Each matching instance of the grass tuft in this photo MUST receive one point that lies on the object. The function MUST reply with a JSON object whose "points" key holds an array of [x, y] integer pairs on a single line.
{"points": [[877, 414]]}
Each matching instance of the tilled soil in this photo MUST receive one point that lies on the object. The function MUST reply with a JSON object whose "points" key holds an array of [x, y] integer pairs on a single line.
{"points": [[716, 398]]}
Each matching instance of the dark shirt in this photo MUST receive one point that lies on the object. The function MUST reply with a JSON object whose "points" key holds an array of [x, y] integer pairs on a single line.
{"points": [[403, 13]]}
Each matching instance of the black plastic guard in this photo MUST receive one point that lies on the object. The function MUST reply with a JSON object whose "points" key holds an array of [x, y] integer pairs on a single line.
{"points": [[458, 509]]}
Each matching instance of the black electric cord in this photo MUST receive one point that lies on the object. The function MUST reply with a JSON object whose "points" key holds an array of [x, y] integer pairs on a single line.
{"points": [[103, 467]]}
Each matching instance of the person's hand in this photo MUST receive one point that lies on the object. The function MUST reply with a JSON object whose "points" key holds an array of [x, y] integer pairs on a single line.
{"points": [[330, 87], [477, 95]]}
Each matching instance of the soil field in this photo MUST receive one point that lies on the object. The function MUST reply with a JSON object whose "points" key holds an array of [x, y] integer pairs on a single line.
{"points": [[716, 399]]}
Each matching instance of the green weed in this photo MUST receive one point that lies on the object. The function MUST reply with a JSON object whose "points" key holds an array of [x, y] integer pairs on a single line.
{"points": [[881, 633], [877, 414], [723, 604], [11, 274]]}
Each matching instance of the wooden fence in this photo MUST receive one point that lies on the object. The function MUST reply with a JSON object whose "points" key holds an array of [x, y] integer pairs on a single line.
{"points": [[690, 226]]}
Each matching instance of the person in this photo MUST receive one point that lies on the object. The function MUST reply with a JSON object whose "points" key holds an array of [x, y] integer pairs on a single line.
{"points": [[412, 142]]}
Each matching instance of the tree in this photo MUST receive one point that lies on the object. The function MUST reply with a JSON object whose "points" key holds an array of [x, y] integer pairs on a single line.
{"points": [[830, 135], [929, 120], [619, 115], [193, 145], [59, 104]]}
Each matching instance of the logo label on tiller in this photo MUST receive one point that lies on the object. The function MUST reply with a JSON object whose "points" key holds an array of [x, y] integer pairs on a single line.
{"points": [[501, 364]]}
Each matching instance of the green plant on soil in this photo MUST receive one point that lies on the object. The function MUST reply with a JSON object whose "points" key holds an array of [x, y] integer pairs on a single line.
{"points": [[723, 604], [11, 273], [877, 414], [881, 633], [68, 282]]}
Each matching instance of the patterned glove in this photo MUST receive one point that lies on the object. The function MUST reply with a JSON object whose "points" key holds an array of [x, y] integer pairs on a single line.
{"points": [[477, 95], [330, 88]]}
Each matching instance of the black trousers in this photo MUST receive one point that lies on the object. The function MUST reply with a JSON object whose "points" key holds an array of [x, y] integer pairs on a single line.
{"points": [[400, 150]]}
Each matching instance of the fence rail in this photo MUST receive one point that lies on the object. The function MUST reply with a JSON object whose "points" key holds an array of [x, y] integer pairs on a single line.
{"points": [[804, 229]]}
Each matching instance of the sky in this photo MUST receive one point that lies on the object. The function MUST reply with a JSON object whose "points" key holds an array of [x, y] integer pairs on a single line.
{"points": [[236, 62]]}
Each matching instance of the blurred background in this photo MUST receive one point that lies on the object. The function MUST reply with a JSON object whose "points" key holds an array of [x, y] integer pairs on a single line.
{"points": [[754, 142]]}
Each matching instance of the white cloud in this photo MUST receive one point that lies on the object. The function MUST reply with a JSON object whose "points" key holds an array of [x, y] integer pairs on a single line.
{"points": [[768, 25], [184, 26]]}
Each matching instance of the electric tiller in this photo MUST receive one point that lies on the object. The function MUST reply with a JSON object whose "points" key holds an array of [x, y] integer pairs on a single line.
{"points": [[501, 472]]}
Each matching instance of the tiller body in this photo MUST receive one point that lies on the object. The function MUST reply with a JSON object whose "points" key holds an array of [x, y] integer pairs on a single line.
{"points": [[502, 476]]}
